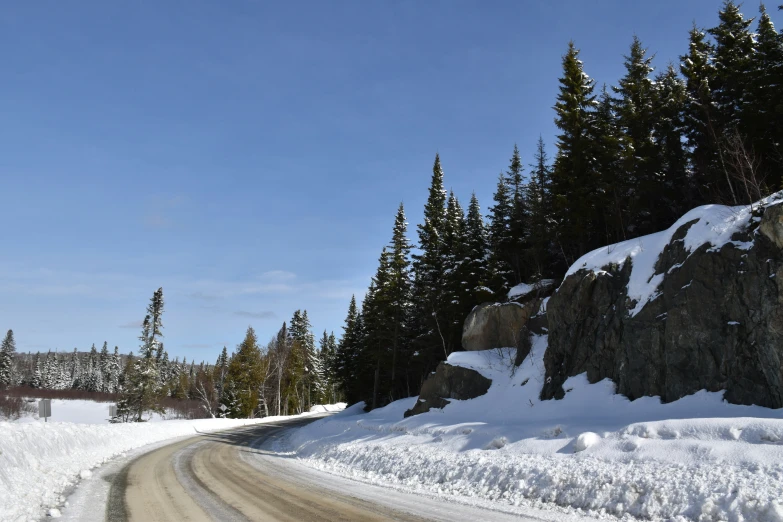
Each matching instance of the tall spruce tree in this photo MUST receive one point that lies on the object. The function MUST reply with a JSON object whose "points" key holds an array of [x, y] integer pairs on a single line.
{"points": [[7, 351], [635, 110], [348, 352], [244, 377], [517, 230], [501, 273], [575, 179], [539, 203], [677, 194], [474, 269], [699, 117], [428, 284], [142, 391]]}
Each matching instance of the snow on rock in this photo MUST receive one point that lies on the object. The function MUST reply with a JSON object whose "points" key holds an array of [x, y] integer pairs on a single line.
{"points": [[713, 224], [54, 513], [523, 289], [698, 458], [38, 460]]}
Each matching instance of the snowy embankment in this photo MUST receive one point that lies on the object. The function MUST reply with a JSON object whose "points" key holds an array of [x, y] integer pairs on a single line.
{"points": [[698, 458], [39, 461]]}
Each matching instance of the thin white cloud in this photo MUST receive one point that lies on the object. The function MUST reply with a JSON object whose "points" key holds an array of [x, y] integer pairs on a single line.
{"points": [[266, 314]]}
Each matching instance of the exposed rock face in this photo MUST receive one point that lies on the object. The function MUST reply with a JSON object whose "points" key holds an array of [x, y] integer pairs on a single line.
{"points": [[449, 382], [496, 325], [715, 323]]}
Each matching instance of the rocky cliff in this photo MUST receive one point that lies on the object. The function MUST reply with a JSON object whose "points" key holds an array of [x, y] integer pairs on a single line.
{"points": [[698, 306]]}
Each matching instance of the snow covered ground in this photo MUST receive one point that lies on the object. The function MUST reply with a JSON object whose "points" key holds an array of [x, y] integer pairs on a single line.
{"points": [[593, 452], [39, 461]]}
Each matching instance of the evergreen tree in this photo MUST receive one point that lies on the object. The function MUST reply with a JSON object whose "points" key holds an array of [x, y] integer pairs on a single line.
{"points": [[75, 367], [765, 114], [94, 377], [348, 353], [732, 59], [428, 284], [517, 230], [221, 370], [539, 208], [37, 379], [575, 179], [113, 372], [142, 391], [7, 351], [676, 194], [244, 375], [501, 274], [104, 363], [709, 178], [635, 110], [474, 271]]}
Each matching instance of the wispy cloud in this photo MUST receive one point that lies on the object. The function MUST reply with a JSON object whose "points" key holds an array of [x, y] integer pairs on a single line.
{"points": [[197, 345], [266, 314], [159, 210], [131, 324], [202, 296]]}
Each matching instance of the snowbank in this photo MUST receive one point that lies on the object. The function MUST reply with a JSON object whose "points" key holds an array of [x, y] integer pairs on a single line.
{"points": [[524, 289], [698, 458], [713, 224], [38, 460], [328, 408]]}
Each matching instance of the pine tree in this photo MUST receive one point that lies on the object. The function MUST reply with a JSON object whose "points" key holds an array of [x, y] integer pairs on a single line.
{"points": [[635, 110], [517, 230], [428, 284], [539, 208], [113, 372], [348, 353], [7, 351], [699, 119], [221, 370], [676, 196], [244, 375], [314, 372], [398, 296], [474, 272], [37, 379], [501, 273], [765, 114], [104, 362], [75, 367], [142, 391], [575, 179], [732, 59]]}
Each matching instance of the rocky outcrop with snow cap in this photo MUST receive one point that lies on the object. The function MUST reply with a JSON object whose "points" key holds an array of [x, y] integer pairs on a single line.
{"points": [[697, 306]]}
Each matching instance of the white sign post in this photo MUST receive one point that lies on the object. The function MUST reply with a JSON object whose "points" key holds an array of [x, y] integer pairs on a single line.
{"points": [[45, 408], [112, 411]]}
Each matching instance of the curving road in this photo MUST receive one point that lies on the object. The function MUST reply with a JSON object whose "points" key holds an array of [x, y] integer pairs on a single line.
{"points": [[229, 476]]}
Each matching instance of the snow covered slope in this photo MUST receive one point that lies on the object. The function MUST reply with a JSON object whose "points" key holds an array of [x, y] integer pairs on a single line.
{"points": [[698, 458]]}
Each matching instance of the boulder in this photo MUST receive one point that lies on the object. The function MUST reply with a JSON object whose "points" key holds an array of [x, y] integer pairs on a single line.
{"points": [[449, 382], [496, 325], [715, 321]]}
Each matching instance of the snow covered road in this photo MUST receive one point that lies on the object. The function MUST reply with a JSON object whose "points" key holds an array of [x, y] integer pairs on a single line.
{"points": [[238, 475]]}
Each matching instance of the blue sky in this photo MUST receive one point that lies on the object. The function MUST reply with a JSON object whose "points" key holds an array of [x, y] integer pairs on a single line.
{"points": [[249, 156]]}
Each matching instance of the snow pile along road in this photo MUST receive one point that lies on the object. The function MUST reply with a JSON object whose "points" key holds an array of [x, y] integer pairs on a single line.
{"points": [[594, 452], [39, 461]]}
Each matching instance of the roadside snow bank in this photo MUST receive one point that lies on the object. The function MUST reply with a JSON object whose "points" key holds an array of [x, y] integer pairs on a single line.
{"points": [[38, 460], [698, 458], [328, 408]]}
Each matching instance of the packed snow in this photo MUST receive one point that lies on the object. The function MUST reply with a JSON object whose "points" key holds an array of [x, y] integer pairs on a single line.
{"points": [[594, 452], [713, 224], [39, 461]]}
